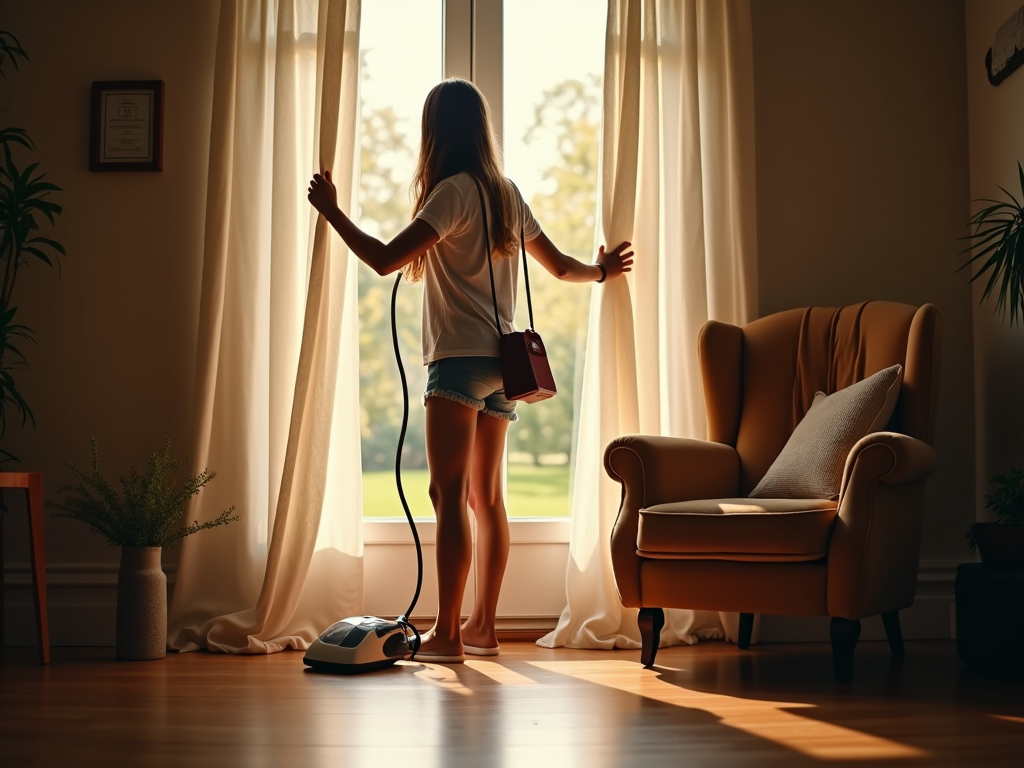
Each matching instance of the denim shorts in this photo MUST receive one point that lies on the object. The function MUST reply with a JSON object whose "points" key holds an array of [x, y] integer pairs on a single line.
{"points": [[472, 381]]}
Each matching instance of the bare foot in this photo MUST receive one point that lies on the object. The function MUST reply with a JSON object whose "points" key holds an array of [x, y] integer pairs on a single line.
{"points": [[478, 636], [433, 644]]}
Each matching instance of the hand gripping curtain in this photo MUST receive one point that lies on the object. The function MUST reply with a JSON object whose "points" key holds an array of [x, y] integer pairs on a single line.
{"points": [[276, 416], [677, 180]]}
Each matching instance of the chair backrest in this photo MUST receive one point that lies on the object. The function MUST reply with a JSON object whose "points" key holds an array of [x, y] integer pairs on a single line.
{"points": [[760, 380]]}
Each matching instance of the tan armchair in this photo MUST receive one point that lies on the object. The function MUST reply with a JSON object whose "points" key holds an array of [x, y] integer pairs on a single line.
{"points": [[687, 536]]}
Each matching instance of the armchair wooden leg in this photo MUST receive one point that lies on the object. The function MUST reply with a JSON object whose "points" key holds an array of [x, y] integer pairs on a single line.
{"points": [[845, 633], [746, 630], [650, 621], [891, 622]]}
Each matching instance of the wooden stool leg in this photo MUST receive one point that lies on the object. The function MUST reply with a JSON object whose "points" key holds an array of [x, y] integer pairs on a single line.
{"points": [[2, 635], [37, 544]]}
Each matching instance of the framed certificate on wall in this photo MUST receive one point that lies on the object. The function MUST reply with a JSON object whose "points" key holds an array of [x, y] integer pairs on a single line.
{"points": [[126, 131]]}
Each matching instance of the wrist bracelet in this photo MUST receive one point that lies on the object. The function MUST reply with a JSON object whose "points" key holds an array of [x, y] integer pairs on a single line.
{"points": [[604, 272]]}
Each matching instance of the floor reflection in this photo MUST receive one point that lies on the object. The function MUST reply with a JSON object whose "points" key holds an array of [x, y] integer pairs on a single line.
{"points": [[770, 720]]}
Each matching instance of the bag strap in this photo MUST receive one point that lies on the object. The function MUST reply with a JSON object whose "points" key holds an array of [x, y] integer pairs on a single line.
{"points": [[522, 247], [490, 263], [487, 245]]}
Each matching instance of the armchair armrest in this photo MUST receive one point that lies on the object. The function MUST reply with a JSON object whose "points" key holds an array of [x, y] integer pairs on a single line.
{"points": [[873, 555], [666, 469], [656, 470], [908, 459]]}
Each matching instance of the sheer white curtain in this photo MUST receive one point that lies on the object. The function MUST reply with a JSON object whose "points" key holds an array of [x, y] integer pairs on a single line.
{"points": [[275, 415], [678, 182]]}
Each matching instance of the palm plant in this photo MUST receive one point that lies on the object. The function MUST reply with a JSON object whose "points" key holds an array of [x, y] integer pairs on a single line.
{"points": [[10, 50], [998, 234], [999, 238], [11, 359], [24, 196]]}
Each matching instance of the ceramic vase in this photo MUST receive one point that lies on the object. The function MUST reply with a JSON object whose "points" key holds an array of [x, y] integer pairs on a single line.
{"points": [[141, 605]]}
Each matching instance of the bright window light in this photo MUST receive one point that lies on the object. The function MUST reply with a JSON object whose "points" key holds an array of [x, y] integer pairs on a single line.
{"points": [[552, 116], [400, 49], [551, 108]]}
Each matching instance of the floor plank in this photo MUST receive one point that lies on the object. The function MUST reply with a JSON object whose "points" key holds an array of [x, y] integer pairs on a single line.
{"points": [[711, 704]]}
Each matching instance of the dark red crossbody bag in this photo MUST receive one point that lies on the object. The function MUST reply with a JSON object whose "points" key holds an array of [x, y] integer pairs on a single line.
{"points": [[525, 370]]}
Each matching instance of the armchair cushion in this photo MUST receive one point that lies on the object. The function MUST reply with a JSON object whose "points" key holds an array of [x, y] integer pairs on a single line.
{"points": [[737, 529], [811, 464]]}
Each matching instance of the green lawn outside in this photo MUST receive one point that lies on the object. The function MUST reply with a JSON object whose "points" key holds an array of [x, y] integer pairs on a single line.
{"points": [[532, 492]]}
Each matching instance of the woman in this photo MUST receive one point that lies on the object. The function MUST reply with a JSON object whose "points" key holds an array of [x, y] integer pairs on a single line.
{"points": [[467, 413]]}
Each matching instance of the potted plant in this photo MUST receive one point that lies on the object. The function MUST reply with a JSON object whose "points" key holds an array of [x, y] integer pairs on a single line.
{"points": [[142, 519], [998, 236], [1001, 542], [24, 195]]}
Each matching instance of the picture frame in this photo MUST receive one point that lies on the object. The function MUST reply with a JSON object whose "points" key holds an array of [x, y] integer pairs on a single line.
{"points": [[126, 125]]}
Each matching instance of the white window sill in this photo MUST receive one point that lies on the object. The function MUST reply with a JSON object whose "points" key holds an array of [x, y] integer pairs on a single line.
{"points": [[522, 531]]}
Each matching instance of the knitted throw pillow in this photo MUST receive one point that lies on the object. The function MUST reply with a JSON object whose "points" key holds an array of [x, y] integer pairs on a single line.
{"points": [[811, 464]]}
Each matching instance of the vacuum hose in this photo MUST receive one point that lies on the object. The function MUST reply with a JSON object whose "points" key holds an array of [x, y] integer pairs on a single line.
{"points": [[403, 619]]}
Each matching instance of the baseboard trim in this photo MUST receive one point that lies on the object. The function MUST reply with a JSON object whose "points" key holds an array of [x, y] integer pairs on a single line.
{"points": [[82, 605], [72, 574]]}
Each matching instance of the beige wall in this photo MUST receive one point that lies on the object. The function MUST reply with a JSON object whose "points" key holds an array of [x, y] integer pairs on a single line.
{"points": [[862, 181], [996, 119], [117, 326], [862, 172]]}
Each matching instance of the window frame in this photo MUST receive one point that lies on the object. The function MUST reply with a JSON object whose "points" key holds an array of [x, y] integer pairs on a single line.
{"points": [[533, 593]]}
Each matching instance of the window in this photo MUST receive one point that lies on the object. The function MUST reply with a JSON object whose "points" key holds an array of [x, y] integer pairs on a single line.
{"points": [[544, 89], [551, 128], [400, 56]]}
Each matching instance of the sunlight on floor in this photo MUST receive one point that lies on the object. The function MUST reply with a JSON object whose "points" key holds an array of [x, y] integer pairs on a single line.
{"points": [[499, 673], [764, 719], [1008, 718]]}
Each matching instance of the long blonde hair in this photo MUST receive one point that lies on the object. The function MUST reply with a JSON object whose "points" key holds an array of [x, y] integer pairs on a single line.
{"points": [[456, 137]]}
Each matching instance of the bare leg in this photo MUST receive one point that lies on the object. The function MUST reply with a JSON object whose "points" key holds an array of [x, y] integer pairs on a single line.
{"points": [[451, 429], [492, 538]]}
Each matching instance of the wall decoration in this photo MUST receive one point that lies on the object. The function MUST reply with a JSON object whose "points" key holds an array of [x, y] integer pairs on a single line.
{"points": [[127, 125], [1007, 51]]}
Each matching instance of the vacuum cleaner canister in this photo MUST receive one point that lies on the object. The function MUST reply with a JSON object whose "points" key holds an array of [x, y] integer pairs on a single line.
{"points": [[358, 644]]}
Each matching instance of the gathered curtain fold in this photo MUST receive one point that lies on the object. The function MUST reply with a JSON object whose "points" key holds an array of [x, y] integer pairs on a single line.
{"points": [[677, 180], [275, 415]]}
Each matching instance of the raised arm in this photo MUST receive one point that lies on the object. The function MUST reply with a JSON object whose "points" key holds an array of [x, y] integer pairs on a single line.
{"points": [[382, 258], [567, 268]]}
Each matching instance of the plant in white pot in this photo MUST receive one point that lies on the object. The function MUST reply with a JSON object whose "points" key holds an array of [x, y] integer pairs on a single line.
{"points": [[143, 519], [997, 245]]}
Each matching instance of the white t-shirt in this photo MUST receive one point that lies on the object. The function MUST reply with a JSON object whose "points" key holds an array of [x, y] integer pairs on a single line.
{"points": [[458, 311]]}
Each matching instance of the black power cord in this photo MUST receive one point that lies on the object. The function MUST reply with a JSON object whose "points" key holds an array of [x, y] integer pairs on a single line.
{"points": [[414, 641]]}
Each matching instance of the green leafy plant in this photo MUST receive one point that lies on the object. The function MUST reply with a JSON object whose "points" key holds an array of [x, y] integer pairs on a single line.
{"points": [[1006, 503], [24, 196], [10, 50], [11, 359], [149, 509], [997, 243], [998, 234]]}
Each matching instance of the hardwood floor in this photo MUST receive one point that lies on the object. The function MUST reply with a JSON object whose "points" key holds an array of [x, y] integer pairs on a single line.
{"points": [[711, 704]]}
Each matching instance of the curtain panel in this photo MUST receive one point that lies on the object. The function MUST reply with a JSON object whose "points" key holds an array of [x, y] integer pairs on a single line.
{"points": [[275, 415], [677, 180]]}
